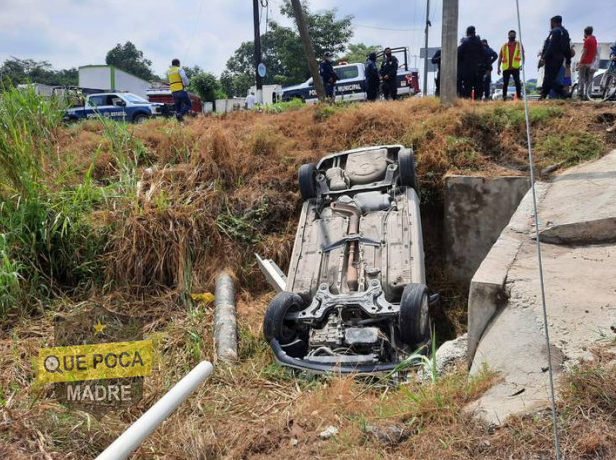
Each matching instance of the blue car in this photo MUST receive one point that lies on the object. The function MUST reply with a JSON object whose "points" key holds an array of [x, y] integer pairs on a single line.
{"points": [[116, 106]]}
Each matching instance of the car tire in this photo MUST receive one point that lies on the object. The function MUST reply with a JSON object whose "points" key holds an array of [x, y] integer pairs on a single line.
{"points": [[274, 324], [406, 165], [414, 323], [307, 181], [140, 118]]}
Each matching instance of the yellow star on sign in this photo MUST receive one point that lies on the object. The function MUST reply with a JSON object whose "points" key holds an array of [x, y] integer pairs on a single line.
{"points": [[99, 327]]}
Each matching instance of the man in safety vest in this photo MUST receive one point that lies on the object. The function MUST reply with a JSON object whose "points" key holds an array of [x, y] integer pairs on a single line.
{"points": [[510, 60], [178, 82]]}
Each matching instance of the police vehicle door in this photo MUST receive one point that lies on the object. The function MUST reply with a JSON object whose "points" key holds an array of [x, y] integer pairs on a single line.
{"points": [[351, 86], [108, 106]]}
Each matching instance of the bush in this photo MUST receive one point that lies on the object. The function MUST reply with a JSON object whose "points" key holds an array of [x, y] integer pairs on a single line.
{"points": [[47, 243]]}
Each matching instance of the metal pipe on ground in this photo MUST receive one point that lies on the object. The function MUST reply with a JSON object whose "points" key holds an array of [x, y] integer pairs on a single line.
{"points": [[135, 434], [225, 320]]}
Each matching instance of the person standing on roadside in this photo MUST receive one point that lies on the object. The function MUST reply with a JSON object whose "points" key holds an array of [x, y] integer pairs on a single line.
{"points": [[328, 75], [471, 62], [178, 82], [585, 66], [389, 75], [251, 100], [489, 57], [372, 78], [510, 61], [436, 60], [557, 50]]}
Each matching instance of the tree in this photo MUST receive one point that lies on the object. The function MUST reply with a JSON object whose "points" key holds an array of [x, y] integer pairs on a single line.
{"points": [[128, 58], [358, 52], [207, 86], [192, 71], [282, 50], [16, 71]]}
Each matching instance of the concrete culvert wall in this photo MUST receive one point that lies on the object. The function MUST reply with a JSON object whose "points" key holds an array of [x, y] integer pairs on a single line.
{"points": [[460, 223], [477, 209]]}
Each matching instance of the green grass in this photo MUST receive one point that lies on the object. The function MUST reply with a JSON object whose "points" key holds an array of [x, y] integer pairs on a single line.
{"points": [[509, 116], [570, 148], [279, 107], [49, 242]]}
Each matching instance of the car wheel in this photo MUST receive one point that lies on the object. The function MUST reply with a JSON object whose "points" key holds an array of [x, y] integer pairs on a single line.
{"points": [[307, 181], [415, 315], [406, 164], [140, 118], [275, 326]]}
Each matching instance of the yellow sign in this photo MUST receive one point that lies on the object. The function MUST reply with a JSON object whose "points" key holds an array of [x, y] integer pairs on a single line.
{"points": [[95, 361]]}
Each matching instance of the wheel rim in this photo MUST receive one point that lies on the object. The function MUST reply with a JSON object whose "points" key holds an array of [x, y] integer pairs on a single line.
{"points": [[287, 331], [424, 315]]}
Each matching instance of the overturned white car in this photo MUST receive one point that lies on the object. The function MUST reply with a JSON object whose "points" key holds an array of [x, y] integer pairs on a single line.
{"points": [[355, 298]]}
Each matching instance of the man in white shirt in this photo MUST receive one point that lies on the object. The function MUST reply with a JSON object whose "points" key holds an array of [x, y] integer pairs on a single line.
{"points": [[250, 100]]}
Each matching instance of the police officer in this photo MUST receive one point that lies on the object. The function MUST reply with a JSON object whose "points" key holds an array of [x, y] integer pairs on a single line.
{"points": [[328, 75], [436, 60], [372, 77], [178, 82], [557, 49], [471, 60], [489, 57], [389, 75]]}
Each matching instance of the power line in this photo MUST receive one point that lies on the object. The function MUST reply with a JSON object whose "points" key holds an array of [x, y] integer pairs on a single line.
{"points": [[539, 260], [194, 28], [385, 28]]}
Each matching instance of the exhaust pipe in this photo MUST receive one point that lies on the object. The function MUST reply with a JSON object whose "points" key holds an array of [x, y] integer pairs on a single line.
{"points": [[353, 213], [225, 320]]}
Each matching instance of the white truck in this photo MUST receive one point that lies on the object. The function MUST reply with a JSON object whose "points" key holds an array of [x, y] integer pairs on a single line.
{"points": [[351, 84], [110, 78]]}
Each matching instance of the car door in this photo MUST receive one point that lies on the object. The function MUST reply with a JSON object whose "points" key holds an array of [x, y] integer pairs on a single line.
{"points": [[108, 106], [115, 108], [350, 85]]}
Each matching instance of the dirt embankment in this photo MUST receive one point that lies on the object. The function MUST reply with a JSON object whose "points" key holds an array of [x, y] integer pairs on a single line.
{"points": [[184, 201]]}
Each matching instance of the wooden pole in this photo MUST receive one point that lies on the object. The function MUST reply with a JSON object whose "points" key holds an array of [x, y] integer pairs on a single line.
{"points": [[308, 49], [425, 75], [449, 53], [257, 30]]}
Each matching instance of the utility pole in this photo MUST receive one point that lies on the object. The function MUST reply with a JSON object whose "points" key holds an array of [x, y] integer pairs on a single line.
{"points": [[425, 75], [308, 49], [255, 12], [449, 53]]}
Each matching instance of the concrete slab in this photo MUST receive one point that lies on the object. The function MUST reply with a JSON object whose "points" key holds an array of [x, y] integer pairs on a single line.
{"points": [[487, 293], [476, 211], [580, 280], [580, 207]]}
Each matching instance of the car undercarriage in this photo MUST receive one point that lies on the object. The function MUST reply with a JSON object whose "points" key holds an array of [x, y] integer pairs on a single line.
{"points": [[355, 298]]}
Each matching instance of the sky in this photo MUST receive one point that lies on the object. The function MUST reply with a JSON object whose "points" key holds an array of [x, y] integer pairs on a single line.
{"points": [[71, 33]]}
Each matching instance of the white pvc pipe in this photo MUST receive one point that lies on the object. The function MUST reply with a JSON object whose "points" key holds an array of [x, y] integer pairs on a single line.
{"points": [[135, 434]]}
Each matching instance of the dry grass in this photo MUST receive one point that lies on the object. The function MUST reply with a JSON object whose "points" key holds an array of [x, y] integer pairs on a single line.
{"points": [[207, 195]]}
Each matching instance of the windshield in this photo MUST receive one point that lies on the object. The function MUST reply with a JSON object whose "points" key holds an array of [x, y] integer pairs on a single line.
{"points": [[134, 98]]}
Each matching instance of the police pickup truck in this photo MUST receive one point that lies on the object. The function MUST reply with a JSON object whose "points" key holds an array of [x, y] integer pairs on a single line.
{"points": [[116, 106], [351, 84]]}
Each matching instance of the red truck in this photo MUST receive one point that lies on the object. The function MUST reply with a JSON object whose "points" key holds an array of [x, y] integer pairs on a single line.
{"points": [[163, 95]]}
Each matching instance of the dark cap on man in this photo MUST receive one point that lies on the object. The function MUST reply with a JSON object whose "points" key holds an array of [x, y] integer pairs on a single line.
{"points": [[558, 19], [175, 62], [470, 31]]}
